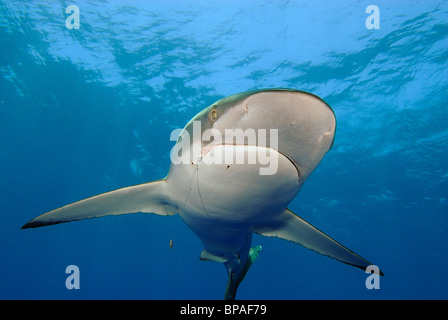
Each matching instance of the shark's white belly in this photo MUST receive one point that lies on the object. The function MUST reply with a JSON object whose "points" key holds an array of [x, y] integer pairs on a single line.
{"points": [[222, 201]]}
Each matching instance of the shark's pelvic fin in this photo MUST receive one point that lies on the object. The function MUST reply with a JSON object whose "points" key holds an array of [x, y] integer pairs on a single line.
{"points": [[290, 227], [153, 197], [207, 256], [235, 278]]}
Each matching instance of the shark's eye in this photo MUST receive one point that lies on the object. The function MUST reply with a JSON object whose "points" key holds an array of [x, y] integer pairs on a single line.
{"points": [[213, 115]]}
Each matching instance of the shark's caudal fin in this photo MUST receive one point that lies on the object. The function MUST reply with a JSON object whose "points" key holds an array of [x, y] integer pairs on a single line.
{"points": [[153, 197], [290, 227], [236, 278]]}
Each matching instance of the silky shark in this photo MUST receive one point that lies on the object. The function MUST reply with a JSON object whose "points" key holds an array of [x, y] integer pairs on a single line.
{"points": [[229, 179]]}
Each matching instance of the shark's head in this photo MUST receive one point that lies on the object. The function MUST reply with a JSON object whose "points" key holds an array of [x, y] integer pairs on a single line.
{"points": [[297, 124]]}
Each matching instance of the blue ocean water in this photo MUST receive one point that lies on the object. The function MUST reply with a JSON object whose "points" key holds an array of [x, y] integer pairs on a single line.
{"points": [[89, 110]]}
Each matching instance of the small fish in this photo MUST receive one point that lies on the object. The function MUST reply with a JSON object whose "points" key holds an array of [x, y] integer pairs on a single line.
{"points": [[171, 243]]}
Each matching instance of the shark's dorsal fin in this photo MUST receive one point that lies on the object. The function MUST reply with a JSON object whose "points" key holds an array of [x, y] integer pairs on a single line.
{"points": [[153, 197], [290, 227]]}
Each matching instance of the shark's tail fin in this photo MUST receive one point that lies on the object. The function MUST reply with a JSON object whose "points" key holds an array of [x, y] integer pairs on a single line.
{"points": [[235, 278]]}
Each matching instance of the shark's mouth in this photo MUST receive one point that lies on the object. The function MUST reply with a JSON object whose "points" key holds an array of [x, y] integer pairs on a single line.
{"points": [[293, 163], [265, 157]]}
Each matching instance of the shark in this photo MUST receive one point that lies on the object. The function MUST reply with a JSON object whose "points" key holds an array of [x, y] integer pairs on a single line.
{"points": [[229, 179]]}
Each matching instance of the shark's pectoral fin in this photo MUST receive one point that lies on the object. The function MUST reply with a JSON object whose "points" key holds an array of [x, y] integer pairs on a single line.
{"points": [[153, 197], [290, 227]]}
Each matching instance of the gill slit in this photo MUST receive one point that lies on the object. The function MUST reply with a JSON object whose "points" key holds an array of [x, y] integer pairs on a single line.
{"points": [[199, 190], [189, 188], [195, 173]]}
